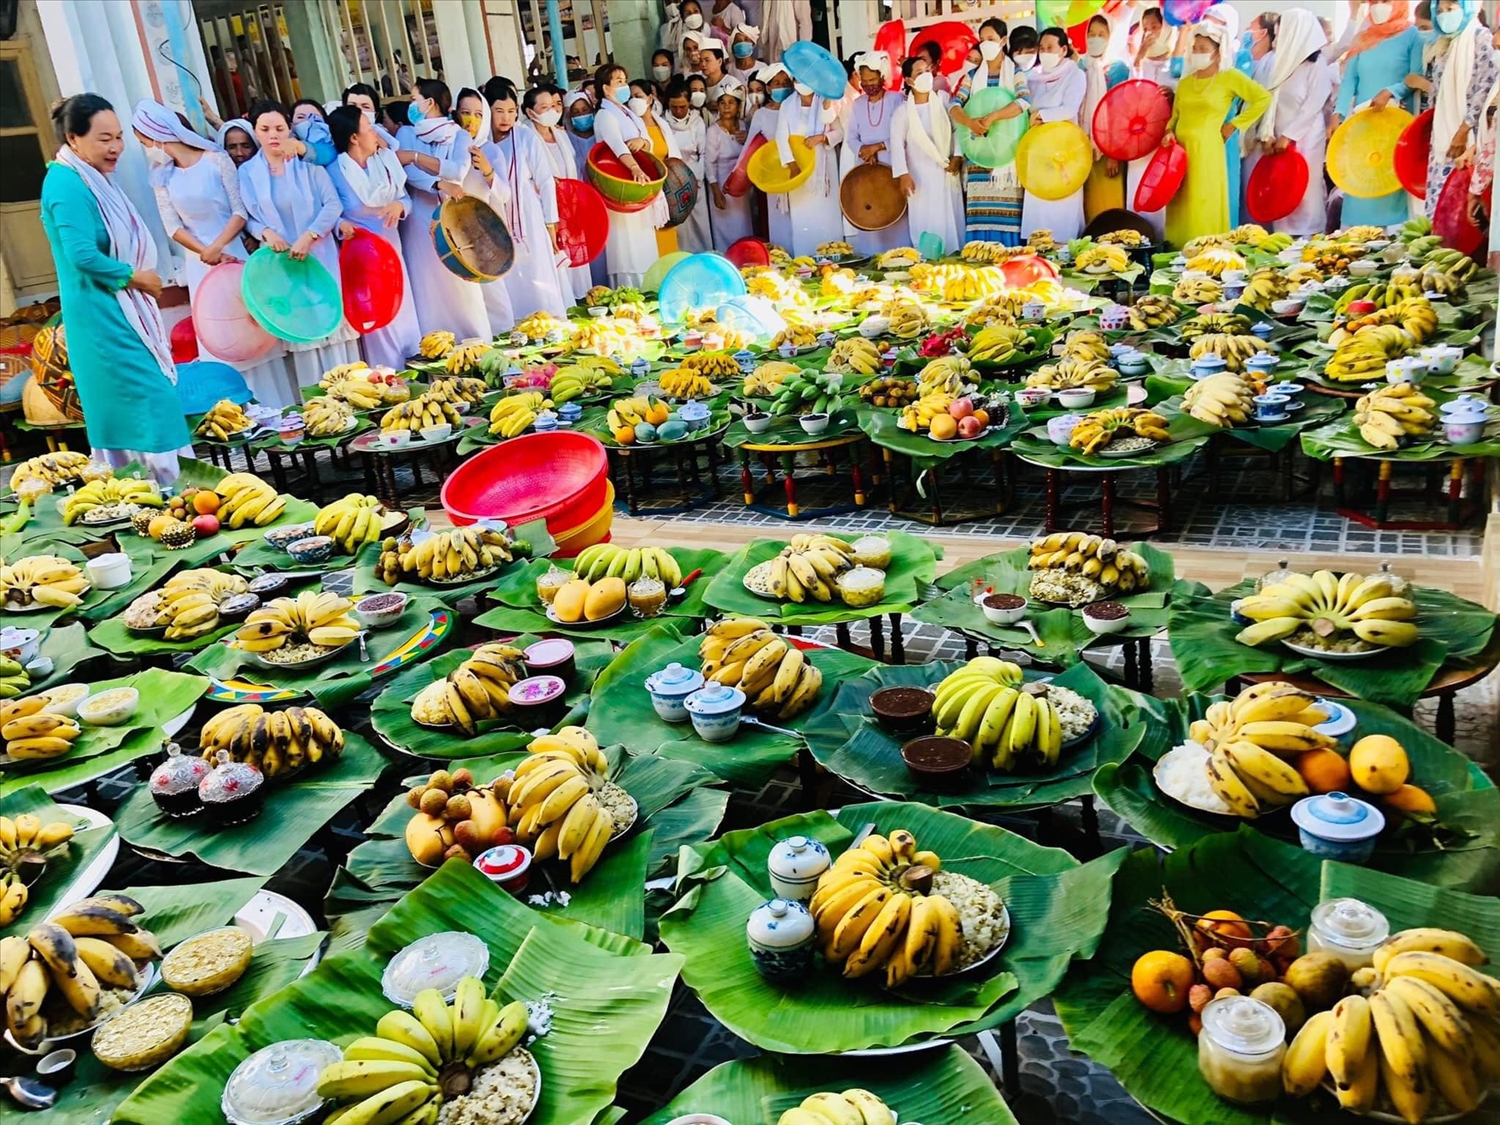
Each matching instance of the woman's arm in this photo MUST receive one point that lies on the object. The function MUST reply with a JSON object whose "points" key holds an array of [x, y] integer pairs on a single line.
{"points": [[1300, 118], [1075, 86], [898, 138], [541, 174], [71, 208], [1256, 97], [330, 209]]}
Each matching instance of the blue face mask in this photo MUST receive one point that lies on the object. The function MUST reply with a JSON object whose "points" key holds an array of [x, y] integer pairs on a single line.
{"points": [[781, 94], [743, 50], [1450, 22], [584, 122], [622, 95], [1428, 36], [414, 113]]}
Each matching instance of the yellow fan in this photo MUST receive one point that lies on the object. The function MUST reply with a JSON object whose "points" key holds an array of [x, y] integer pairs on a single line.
{"points": [[1362, 152], [1054, 160], [767, 172]]}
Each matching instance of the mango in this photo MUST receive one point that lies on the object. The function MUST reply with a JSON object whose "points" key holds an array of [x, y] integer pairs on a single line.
{"points": [[605, 597], [674, 430], [569, 601], [1379, 764], [645, 431]]}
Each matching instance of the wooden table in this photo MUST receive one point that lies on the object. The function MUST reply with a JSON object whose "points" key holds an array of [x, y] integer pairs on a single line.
{"points": [[380, 460], [1459, 509], [935, 514], [1107, 498], [787, 454], [684, 453]]}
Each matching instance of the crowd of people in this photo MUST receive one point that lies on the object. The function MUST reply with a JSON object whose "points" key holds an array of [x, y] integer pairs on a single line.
{"points": [[301, 178]]}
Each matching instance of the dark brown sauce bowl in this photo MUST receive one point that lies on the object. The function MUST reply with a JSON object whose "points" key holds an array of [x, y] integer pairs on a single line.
{"points": [[903, 710], [938, 762]]}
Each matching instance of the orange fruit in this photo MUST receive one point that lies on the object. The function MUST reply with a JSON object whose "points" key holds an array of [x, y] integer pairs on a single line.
{"points": [[159, 523], [1410, 799], [1325, 771], [983, 416], [625, 435], [944, 426], [1227, 926], [206, 501], [1160, 980]]}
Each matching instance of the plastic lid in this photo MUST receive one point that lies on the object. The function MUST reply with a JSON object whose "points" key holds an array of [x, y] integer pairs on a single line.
{"points": [[1351, 923], [715, 699], [545, 653], [178, 773], [229, 780], [1244, 1025], [536, 689], [437, 961], [503, 862], [674, 679], [1338, 816], [278, 1085]]}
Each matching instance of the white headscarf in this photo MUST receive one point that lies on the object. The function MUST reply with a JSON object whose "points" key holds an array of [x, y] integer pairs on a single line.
{"points": [[1097, 84], [380, 182], [237, 123], [768, 72], [1453, 92], [130, 241], [928, 127], [1299, 35], [1221, 23], [157, 121], [748, 30], [878, 61]]}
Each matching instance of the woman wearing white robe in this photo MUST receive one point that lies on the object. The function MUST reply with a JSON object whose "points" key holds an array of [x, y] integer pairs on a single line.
{"points": [[1056, 88], [867, 140], [922, 160], [799, 220], [472, 113], [632, 235], [435, 153], [724, 142], [579, 114], [294, 209], [1300, 84], [542, 106], [372, 187], [197, 192], [694, 233]]}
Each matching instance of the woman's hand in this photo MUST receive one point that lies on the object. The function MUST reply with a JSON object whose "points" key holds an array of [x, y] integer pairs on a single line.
{"points": [[481, 163], [406, 156], [908, 185], [1168, 139], [1226, 130], [294, 147], [637, 174], [1282, 144], [1036, 118], [346, 229], [1459, 144], [980, 126], [147, 281], [303, 244], [390, 214], [1381, 100], [451, 189], [793, 169], [1112, 168], [1476, 210], [1418, 82], [212, 254], [274, 240], [955, 165], [815, 139], [635, 144], [718, 196], [870, 153]]}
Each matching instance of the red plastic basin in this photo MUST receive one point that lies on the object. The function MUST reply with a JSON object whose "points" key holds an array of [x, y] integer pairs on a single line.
{"points": [[559, 477]]}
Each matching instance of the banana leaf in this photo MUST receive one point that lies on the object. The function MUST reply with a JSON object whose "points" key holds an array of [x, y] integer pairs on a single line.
{"points": [[1316, 410], [506, 621], [67, 646], [913, 566], [1459, 848], [785, 430], [55, 886], [294, 810], [1454, 631], [925, 453], [390, 715], [847, 741], [620, 711], [43, 618], [163, 696], [607, 996], [150, 564], [1116, 396], [516, 588], [1057, 910], [272, 441], [137, 744], [339, 679], [120, 641], [1036, 448], [367, 581], [1341, 438], [941, 1085]]}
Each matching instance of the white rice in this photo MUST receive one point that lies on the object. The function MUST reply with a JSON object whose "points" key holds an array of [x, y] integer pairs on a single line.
{"points": [[1074, 712], [1182, 774]]}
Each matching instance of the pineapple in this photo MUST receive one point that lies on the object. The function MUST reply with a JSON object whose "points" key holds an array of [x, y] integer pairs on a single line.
{"points": [[178, 535], [140, 520]]}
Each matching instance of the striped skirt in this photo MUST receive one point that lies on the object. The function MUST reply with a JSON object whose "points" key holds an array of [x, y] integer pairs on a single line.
{"points": [[992, 211]]}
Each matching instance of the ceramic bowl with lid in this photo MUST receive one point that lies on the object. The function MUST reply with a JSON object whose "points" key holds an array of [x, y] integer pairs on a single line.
{"points": [[437, 961], [1337, 826], [715, 710], [278, 1085], [1349, 929], [1206, 365], [1441, 358], [781, 935], [670, 687], [109, 571], [795, 865], [1465, 403]]}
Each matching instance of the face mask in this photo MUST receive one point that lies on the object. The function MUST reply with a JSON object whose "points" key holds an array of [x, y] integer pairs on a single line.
{"points": [[549, 118], [1049, 60], [1097, 46], [1449, 22], [415, 114], [989, 49], [1379, 13], [661, 73], [780, 94], [1201, 60], [621, 95], [693, 21], [157, 158], [802, 89], [639, 106], [679, 123], [1025, 62], [697, 99], [755, 100], [743, 50], [584, 122], [922, 83], [471, 123], [368, 115]]}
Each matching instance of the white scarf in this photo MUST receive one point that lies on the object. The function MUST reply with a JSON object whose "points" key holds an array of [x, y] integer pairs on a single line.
{"points": [[1453, 93], [1298, 36], [237, 123], [154, 120], [438, 131], [380, 182], [929, 129], [809, 121], [131, 243], [1097, 85]]}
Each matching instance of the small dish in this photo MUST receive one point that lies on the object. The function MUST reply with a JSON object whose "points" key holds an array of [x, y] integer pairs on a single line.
{"points": [[109, 708], [393, 439], [1003, 609], [939, 762], [109, 571], [813, 424], [312, 550], [555, 656], [64, 699], [283, 537], [376, 611], [757, 423], [1104, 618], [1075, 398], [1289, 306], [536, 692], [1337, 826], [21, 645], [440, 432], [903, 710], [1362, 267], [669, 688]]}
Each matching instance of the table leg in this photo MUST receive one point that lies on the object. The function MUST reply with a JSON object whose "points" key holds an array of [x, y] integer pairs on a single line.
{"points": [[1455, 490], [1107, 504], [1338, 481], [1010, 1056], [890, 476], [416, 473], [807, 773], [877, 638], [1143, 663], [1163, 500], [278, 471], [971, 648], [1051, 507], [997, 466], [1443, 723], [898, 642], [789, 468], [1211, 455], [746, 481], [682, 483], [1089, 819], [1131, 674], [841, 634], [1383, 491], [937, 500], [858, 477]]}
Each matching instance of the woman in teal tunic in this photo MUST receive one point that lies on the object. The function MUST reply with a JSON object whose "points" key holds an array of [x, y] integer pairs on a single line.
{"points": [[1375, 72], [118, 348]]}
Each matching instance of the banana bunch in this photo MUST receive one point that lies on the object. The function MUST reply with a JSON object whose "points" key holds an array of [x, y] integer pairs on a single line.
{"points": [[1009, 727], [357, 391], [605, 560], [1196, 246], [1198, 291], [871, 915], [714, 364], [980, 251], [1225, 399], [1153, 311], [320, 617], [609, 298], [187, 606], [944, 375], [539, 324], [908, 319], [1205, 324], [681, 382], [783, 292], [1102, 426], [775, 675], [1073, 372], [401, 1073], [1452, 263], [1434, 279], [852, 1107], [838, 283], [246, 499], [1378, 293], [732, 339], [1041, 241], [435, 345], [576, 382], [555, 800], [1265, 285], [1102, 560], [350, 521], [1102, 258], [13, 896], [856, 354], [635, 410], [24, 840], [278, 743], [13, 678], [807, 390], [956, 283], [1426, 1035], [1086, 344], [477, 690], [42, 580], [1361, 232], [512, 414], [1278, 717], [767, 378], [223, 421], [1232, 349], [999, 343], [420, 413], [1388, 416], [837, 248], [106, 493], [49, 470], [797, 335], [1329, 603], [1361, 356], [901, 258], [1415, 316], [1127, 237], [458, 389], [1002, 308], [446, 556], [917, 417], [1214, 260], [609, 336], [1413, 229], [465, 358], [807, 568], [1247, 234], [325, 416], [1273, 243], [88, 946]]}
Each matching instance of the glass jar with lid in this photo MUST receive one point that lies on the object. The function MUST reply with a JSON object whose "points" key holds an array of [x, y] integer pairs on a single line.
{"points": [[278, 1085], [1240, 1049], [550, 581], [1348, 929]]}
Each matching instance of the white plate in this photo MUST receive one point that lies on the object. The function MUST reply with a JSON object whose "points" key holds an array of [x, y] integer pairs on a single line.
{"points": [[88, 880], [951, 440], [1303, 650], [256, 916], [1397, 1119], [904, 1049], [1219, 809]]}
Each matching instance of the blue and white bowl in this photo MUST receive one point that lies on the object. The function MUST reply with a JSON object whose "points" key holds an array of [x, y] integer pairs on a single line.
{"points": [[1337, 826], [715, 710], [670, 687]]}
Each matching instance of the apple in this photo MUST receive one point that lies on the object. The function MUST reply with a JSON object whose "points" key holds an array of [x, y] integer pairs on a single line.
{"points": [[961, 408], [373, 376], [970, 427], [206, 525]]}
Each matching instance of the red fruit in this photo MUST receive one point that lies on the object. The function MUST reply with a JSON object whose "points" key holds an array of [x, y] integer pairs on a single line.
{"points": [[961, 408], [1199, 996], [970, 427], [505, 835], [206, 525]]}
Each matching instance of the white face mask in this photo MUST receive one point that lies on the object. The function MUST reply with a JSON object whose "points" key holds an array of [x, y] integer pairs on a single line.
{"points": [[990, 49], [697, 99], [1201, 60], [157, 158], [922, 83], [1049, 59], [802, 89], [369, 115], [661, 73], [755, 101], [680, 123], [1379, 13], [639, 106], [549, 118], [1025, 62], [1097, 46], [693, 20]]}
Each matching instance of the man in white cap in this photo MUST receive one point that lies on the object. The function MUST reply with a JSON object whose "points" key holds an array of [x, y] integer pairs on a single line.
{"points": [[868, 141], [711, 63]]}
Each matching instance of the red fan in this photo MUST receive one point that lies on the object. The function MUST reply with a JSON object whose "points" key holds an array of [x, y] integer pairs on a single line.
{"points": [[1131, 119], [184, 341], [582, 220], [372, 281], [1024, 269], [737, 183], [891, 38], [955, 40], [748, 252], [1413, 149], [1276, 186], [1162, 178], [1450, 218]]}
